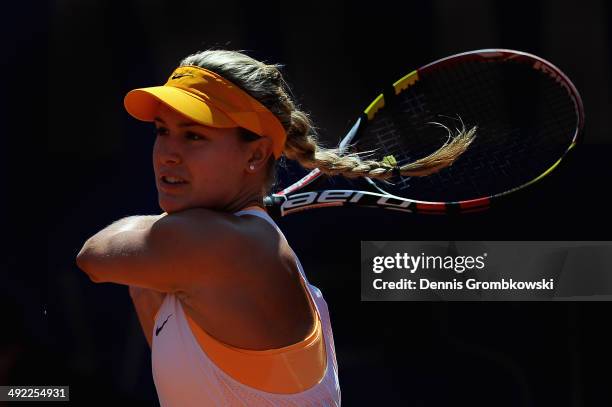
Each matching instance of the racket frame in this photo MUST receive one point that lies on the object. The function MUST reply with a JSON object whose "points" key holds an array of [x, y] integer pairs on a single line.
{"points": [[285, 202]]}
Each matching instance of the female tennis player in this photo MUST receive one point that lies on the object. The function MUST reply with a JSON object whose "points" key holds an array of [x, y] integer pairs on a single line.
{"points": [[222, 298]]}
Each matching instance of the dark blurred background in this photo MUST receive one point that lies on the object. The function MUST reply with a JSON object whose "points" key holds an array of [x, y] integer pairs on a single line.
{"points": [[66, 330]]}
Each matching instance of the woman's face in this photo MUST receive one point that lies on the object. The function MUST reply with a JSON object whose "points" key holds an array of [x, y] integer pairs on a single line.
{"points": [[209, 161]]}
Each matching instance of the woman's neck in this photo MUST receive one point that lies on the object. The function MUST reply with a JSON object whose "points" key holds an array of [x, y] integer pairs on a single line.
{"points": [[255, 206]]}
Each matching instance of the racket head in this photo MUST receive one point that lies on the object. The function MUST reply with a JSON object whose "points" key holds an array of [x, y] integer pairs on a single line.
{"points": [[528, 116], [527, 112]]}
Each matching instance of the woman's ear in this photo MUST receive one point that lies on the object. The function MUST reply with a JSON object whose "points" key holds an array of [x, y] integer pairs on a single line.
{"points": [[260, 151]]}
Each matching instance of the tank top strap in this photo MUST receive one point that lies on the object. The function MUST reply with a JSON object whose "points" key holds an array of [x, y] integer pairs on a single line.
{"points": [[259, 213]]}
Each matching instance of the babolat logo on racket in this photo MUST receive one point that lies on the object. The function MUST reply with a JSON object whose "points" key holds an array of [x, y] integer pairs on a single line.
{"points": [[333, 197]]}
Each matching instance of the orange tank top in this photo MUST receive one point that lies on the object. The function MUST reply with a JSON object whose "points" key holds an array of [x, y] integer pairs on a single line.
{"points": [[290, 369]]}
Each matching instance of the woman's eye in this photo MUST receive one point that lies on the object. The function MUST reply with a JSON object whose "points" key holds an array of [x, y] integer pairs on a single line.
{"points": [[193, 136], [160, 130]]}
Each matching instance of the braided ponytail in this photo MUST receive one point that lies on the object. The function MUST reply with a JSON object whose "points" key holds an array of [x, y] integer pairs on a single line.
{"points": [[265, 83]]}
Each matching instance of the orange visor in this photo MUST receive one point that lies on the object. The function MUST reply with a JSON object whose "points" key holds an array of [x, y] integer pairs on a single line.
{"points": [[209, 99]]}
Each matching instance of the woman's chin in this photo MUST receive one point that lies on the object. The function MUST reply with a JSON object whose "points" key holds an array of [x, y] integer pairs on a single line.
{"points": [[170, 205]]}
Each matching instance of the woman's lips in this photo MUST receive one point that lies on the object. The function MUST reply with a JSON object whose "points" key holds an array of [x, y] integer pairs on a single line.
{"points": [[167, 187]]}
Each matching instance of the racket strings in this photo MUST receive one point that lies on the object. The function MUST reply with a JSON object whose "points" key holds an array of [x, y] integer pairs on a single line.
{"points": [[525, 123]]}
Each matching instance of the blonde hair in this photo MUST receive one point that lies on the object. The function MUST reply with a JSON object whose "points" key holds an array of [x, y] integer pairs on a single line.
{"points": [[265, 83]]}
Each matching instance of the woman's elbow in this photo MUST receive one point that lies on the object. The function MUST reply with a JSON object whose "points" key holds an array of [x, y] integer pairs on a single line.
{"points": [[84, 262]]}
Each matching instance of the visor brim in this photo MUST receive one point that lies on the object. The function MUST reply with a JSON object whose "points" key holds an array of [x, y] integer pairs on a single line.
{"points": [[143, 105]]}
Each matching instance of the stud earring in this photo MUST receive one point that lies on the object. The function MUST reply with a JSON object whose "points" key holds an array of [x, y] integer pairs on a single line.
{"points": [[252, 167]]}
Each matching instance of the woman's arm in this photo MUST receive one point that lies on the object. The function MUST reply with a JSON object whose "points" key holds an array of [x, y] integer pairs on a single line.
{"points": [[175, 253], [100, 243], [138, 222]]}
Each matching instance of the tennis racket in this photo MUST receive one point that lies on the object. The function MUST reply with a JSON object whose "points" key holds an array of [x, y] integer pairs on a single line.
{"points": [[528, 116]]}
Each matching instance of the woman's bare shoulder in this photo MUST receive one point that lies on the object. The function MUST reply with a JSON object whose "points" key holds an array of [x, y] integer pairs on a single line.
{"points": [[248, 240]]}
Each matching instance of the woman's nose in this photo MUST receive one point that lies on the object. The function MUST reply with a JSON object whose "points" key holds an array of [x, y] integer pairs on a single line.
{"points": [[168, 155], [171, 158]]}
